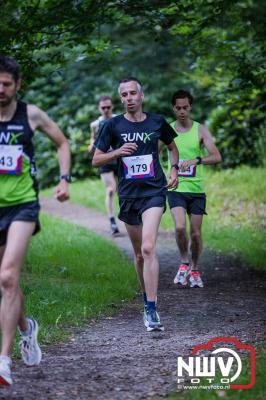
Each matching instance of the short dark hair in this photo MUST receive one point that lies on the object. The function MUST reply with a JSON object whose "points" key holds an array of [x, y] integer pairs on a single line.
{"points": [[130, 79], [9, 64], [104, 98], [182, 94]]}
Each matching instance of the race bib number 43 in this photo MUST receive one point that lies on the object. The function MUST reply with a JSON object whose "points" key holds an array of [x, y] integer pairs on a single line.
{"points": [[11, 159], [138, 167]]}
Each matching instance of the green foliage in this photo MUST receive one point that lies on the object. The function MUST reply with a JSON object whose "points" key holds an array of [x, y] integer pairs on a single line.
{"points": [[240, 133], [72, 52], [229, 49], [47, 31]]}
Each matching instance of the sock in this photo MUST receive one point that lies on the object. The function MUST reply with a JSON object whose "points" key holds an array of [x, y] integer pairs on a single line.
{"points": [[151, 305], [186, 263], [112, 220], [145, 298]]}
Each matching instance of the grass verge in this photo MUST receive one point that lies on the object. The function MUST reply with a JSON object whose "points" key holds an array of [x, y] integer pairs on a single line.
{"points": [[68, 278]]}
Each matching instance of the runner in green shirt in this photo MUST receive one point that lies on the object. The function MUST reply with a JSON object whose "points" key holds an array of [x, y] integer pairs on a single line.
{"points": [[189, 197], [19, 209]]}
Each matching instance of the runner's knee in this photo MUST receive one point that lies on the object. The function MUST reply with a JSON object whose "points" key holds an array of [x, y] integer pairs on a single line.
{"points": [[148, 249], [195, 236], [8, 281]]}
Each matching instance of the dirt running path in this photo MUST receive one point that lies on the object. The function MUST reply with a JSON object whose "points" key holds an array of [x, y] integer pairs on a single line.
{"points": [[115, 358]]}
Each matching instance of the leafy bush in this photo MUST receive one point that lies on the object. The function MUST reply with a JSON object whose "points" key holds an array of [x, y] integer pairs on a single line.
{"points": [[240, 134], [73, 114]]}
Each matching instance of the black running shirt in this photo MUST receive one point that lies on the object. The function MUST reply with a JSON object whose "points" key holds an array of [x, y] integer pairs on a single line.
{"points": [[18, 182], [139, 175]]}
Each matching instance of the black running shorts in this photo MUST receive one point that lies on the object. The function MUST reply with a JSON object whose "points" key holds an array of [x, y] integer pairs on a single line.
{"points": [[131, 210], [20, 212], [194, 203]]}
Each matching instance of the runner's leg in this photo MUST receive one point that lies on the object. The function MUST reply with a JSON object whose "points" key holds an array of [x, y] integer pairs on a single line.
{"points": [[196, 240], [11, 312], [135, 235], [110, 184], [179, 217], [151, 220]]}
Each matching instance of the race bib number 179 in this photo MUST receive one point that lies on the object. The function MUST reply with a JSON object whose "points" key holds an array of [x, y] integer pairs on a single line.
{"points": [[138, 167], [11, 159]]}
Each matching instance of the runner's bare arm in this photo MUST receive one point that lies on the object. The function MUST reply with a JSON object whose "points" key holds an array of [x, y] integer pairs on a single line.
{"points": [[94, 126], [101, 158], [38, 119], [174, 159], [214, 155]]}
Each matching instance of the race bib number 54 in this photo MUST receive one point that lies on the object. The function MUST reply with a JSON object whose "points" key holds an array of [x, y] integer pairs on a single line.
{"points": [[10, 159], [138, 167], [190, 172]]}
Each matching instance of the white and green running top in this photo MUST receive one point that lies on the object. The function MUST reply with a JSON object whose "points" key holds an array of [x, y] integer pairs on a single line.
{"points": [[188, 144], [18, 182]]}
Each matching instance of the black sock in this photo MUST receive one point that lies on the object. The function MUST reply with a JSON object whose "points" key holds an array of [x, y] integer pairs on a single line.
{"points": [[112, 220], [145, 298]]}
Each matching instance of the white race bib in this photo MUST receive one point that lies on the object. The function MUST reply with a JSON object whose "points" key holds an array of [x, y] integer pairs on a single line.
{"points": [[10, 159], [188, 172], [138, 167]]}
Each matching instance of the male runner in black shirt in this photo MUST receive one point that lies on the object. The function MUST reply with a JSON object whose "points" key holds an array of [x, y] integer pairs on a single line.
{"points": [[142, 184]]}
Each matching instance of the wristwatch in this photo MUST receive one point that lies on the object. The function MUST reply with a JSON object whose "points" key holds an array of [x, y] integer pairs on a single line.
{"points": [[175, 166], [67, 178], [199, 160]]}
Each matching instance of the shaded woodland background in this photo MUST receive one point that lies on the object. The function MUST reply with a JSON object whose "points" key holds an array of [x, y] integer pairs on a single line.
{"points": [[71, 52]]}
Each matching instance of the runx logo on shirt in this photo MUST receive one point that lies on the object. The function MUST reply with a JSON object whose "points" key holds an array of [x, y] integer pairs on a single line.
{"points": [[9, 137], [135, 136]]}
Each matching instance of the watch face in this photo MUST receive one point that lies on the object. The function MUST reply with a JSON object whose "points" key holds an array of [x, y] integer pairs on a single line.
{"points": [[66, 178]]}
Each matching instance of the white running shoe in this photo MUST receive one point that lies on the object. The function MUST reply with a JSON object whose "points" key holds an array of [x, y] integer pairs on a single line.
{"points": [[182, 274], [145, 317], [195, 279], [29, 348], [152, 321], [114, 228], [5, 371]]}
